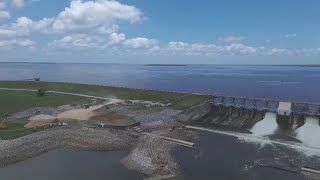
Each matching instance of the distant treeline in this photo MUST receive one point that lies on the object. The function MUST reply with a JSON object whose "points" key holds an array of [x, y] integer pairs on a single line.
{"points": [[166, 65]]}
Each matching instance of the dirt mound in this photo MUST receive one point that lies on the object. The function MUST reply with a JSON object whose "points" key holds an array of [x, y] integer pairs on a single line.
{"points": [[40, 120], [109, 116]]}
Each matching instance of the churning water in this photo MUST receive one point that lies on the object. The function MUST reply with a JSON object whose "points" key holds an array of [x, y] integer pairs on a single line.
{"points": [[309, 133], [267, 126]]}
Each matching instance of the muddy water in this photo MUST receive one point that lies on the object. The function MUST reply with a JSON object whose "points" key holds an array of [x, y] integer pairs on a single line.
{"points": [[267, 126], [65, 164], [309, 133]]}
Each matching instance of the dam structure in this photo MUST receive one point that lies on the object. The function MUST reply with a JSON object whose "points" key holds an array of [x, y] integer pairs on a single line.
{"points": [[245, 112]]}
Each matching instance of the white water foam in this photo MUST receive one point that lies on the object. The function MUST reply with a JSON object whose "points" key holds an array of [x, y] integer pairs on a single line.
{"points": [[267, 126], [309, 133], [262, 141]]}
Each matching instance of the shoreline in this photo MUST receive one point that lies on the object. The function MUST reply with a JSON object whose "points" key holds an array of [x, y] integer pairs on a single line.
{"points": [[149, 154], [13, 151]]}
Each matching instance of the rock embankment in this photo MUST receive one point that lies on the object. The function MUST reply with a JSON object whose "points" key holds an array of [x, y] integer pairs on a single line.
{"points": [[67, 137], [152, 156]]}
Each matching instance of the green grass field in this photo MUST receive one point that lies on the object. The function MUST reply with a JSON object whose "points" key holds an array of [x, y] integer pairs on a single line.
{"points": [[14, 130], [179, 101], [15, 101]]}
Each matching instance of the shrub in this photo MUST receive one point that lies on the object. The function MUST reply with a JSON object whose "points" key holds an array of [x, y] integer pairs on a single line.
{"points": [[41, 92]]}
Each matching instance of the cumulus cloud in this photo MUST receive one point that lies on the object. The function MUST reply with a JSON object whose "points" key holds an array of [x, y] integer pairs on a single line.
{"points": [[24, 27], [140, 42], [100, 16], [291, 35], [17, 3], [116, 38], [17, 42], [232, 39], [212, 49], [78, 41], [83, 16], [4, 15]]}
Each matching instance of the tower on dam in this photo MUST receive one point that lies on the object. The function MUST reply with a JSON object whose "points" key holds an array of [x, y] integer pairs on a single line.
{"points": [[284, 114]]}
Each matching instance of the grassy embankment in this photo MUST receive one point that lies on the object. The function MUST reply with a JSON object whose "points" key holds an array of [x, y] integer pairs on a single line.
{"points": [[15, 101]]}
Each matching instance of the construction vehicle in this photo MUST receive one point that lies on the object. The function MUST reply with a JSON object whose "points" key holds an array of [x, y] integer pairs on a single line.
{"points": [[2, 123]]}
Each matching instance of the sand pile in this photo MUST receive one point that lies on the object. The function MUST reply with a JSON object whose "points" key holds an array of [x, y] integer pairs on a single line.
{"points": [[85, 114], [40, 120]]}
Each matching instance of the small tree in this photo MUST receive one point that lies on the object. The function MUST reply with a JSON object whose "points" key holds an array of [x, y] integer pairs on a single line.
{"points": [[41, 92]]}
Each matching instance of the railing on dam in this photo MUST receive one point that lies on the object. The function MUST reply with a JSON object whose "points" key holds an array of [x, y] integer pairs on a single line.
{"points": [[262, 104]]}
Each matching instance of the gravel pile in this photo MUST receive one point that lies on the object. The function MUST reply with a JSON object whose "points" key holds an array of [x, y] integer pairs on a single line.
{"points": [[64, 108], [34, 111], [152, 156], [166, 115], [66, 137]]}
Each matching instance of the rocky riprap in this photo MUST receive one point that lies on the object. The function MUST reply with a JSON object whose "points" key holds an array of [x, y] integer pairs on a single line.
{"points": [[63, 137]]}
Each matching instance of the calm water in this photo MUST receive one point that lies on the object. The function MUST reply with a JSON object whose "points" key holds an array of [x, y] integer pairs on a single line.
{"points": [[65, 164], [284, 82]]}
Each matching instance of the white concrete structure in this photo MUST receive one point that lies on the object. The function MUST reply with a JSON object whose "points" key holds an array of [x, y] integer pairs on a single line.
{"points": [[284, 108]]}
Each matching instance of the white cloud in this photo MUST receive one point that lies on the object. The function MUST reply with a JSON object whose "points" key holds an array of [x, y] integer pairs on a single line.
{"points": [[212, 49], [24, 27], [17, 42], [140, 42], [17, 3], [83, 16], [309, 52], [3, 5], [116, 38], [291, 35], [4, 15], [78, 41], [232, 39]]}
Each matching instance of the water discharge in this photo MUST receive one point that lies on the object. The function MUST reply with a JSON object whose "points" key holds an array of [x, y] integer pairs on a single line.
{"points": [[267, 126], [262, 141], [309, 133]]}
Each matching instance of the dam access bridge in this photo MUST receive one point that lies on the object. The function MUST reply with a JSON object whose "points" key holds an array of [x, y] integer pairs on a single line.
{"points": [[268, 105]]}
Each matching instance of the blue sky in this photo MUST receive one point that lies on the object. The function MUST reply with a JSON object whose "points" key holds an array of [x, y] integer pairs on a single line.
{"points": [[166, 31]]}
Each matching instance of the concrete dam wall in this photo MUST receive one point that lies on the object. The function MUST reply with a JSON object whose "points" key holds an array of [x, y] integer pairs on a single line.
{"points": [[259, 119], [231, 117]]}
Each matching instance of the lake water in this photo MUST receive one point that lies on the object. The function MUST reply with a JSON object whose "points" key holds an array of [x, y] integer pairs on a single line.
{"points": [[281, 82]]}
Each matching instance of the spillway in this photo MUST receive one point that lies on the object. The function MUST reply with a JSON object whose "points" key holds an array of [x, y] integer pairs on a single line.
{"points": [[267, 126], [229, 117], [309, 133]]}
